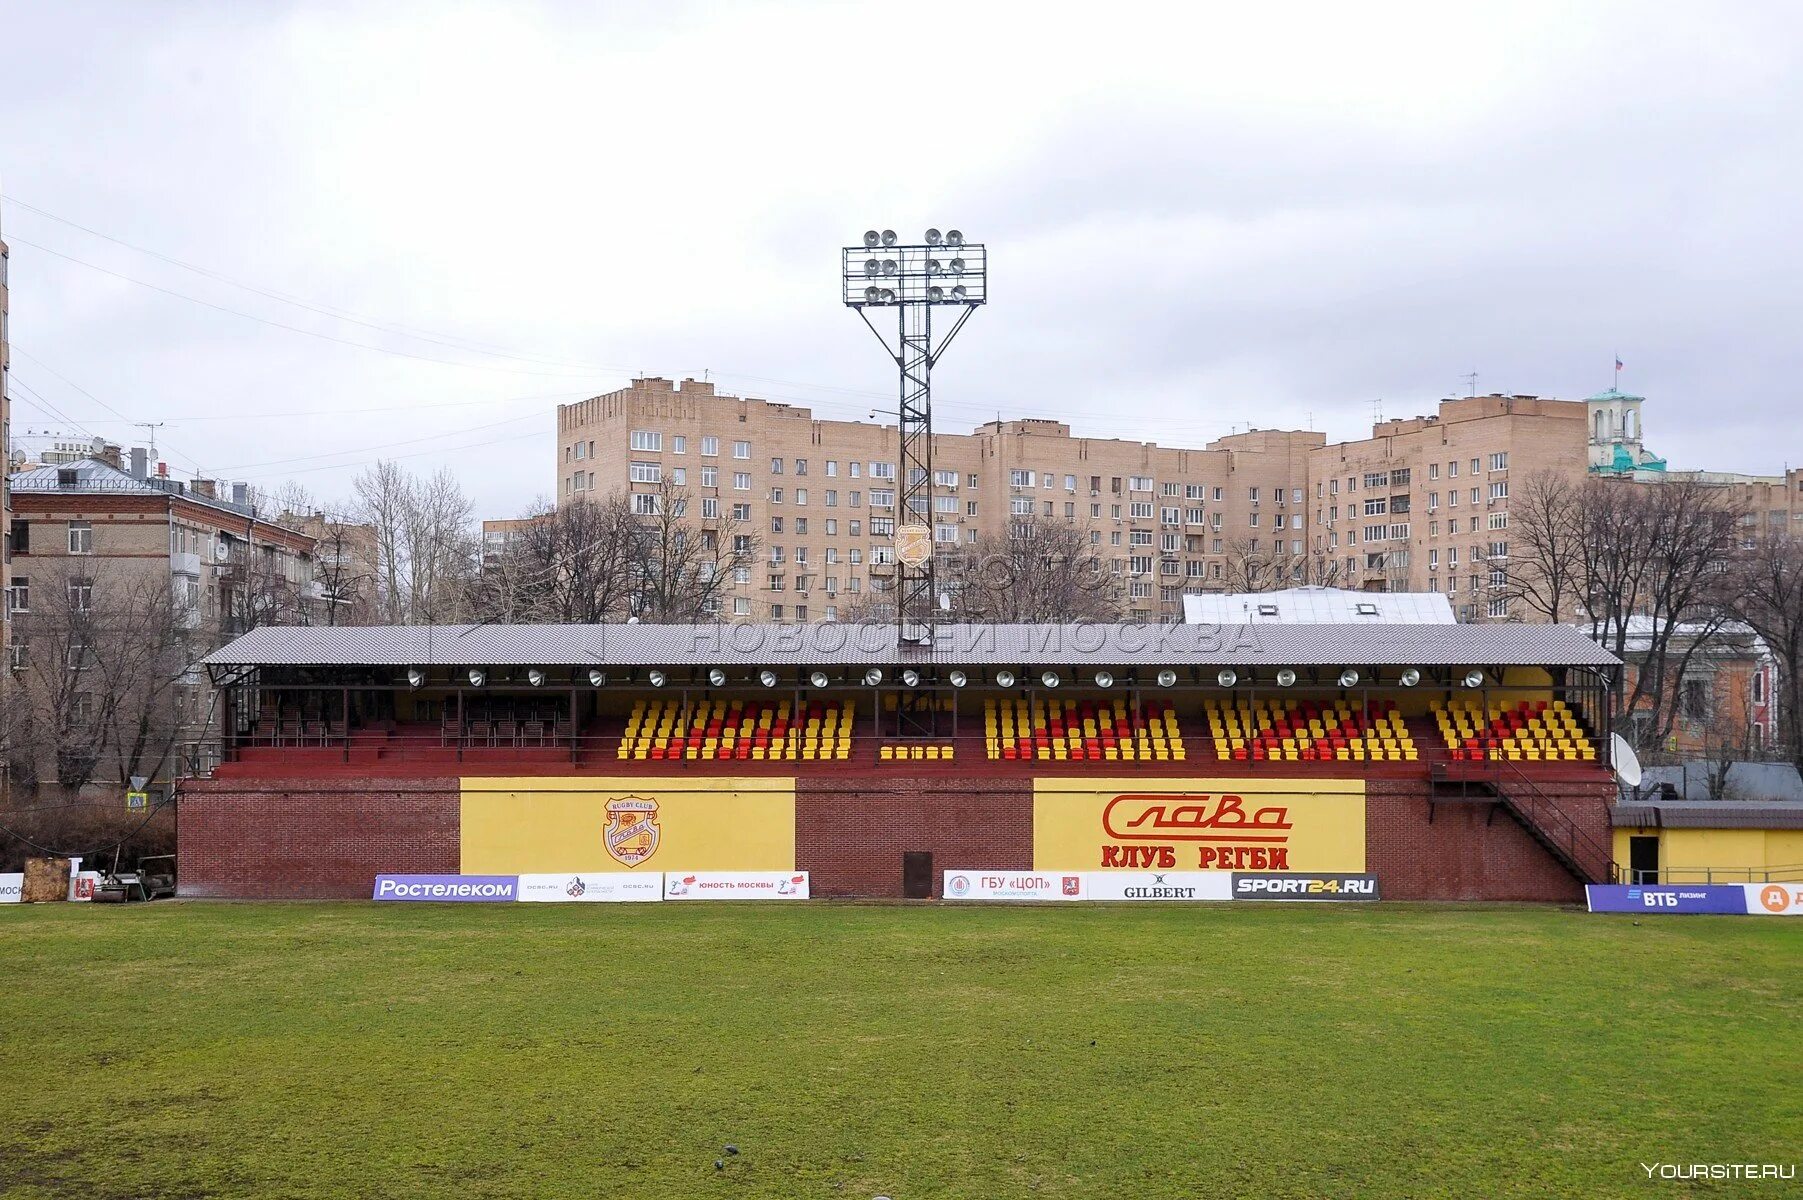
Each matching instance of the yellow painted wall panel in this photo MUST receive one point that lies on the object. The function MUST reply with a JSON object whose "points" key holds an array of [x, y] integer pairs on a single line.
{"points": [[582, 823]]}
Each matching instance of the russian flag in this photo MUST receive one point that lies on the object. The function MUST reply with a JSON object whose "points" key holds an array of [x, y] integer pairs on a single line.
{"points": [[1618, 364]]}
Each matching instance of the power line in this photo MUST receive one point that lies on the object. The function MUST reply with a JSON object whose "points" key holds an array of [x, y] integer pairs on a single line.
{"points": [[384, 445], [192, 461]]}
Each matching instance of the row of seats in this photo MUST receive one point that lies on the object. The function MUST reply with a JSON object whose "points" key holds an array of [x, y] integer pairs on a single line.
{"points": [[505, 721], [1309, 731], [929, 751], [1526, 731], [758, 730], [1090, 730], [919, 703]]}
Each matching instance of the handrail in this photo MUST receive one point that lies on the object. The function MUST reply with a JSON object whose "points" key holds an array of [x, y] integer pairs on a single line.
{"points": [[1668, 875], [1602, 855]]}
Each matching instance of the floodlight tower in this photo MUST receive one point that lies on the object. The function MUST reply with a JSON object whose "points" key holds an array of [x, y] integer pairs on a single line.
{"points": [[942, 271]]}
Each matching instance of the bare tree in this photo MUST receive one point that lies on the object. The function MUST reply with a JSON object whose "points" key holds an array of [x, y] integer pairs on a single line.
{"points": [[1546, 541], [1250, 568], [569, 565], [425, 554], [1767, 594], [682, 564], [1039, 571]]}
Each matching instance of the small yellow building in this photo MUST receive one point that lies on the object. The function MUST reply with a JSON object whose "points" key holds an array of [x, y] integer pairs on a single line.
{"points": [[1701, 841]]}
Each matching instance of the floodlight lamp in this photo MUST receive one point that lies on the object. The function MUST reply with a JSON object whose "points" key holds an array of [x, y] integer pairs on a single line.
{"points": [[910, 678], [1227, 678], [535, 677], [957, 266], [597, 677], [767, 677], [872, 266], [888, 296], [1474, 678], [958, 678], [1349, 678], [959, 292], [888, 237], [871, 238], [932, 237], [954, 238], [873, 676], [1409, 678], [1167, 678], [717, 677], [889, 266], [1050, 679], [1104, 679], [935, 293], [477, 677], [1004, 679], [657, 678], [415, 677], [1286, 677], [873, 294], [935, 267], [818, 679]]}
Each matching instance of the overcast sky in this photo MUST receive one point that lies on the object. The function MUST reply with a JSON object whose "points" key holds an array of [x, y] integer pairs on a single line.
{"points": [[1199, 217]]}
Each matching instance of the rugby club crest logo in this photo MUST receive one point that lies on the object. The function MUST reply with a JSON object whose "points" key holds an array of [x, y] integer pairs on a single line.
{"points": [[631, 834]]}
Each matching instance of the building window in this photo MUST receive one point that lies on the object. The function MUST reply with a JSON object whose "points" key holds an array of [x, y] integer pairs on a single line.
{"points": [[645, 472], [642, 439], [741, 450], [776, 466], [81, 594], [647, 504], [710, 447], [81, 537], [741, 481], [710, 477], [19, 595], [710, 508], [801, 466], [1694, 696], [1499, 462]]}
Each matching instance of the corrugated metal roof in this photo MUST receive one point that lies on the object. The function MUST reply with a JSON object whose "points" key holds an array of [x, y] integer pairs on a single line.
{"points": [[1318, 606], [1706, 814], [973, 645]]}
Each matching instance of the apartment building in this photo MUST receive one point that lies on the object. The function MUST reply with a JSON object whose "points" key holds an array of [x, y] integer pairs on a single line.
{"points": [[6, 495], [87, 530], [820, 495]]}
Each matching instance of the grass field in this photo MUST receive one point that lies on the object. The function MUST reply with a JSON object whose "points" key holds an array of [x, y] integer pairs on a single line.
{"points": [[196, 1049]]}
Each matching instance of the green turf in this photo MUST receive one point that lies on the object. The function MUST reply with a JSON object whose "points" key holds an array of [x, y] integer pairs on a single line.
{"points": [[194, 1049]]}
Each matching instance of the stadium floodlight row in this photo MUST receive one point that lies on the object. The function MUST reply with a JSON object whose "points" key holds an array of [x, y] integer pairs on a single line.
{"points": [[829, 748]]}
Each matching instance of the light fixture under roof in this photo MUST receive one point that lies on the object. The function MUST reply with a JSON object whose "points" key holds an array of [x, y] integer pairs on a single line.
{"points": [[1286, 677], [819, 679], [1227, 678], [1349, 678], [1004, 679], [596, 677], [477, 677], [1474, 678], [415, 677], [1409, 678], [535, 677], [873, 676], [1167, 678], [935, 267], [657, 678], [717, 676], [1104, 679], [1050, 679], [910, 678], [958, 678], [767, 677]]}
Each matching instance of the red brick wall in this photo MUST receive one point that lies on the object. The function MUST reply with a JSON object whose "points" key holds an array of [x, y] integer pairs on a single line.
{"points": [[852, 841], [1469, 852], [312, 839]]}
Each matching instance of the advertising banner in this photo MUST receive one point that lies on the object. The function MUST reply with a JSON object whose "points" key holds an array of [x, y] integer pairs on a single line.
{"points": [[589, 825], [1157, 886], [456, 888], [1775, 899], [82, 885], [1667, 898], [12, 887], [1253, 825], [595, 887], [1305, 887], [736, 885], [1012, 885]]}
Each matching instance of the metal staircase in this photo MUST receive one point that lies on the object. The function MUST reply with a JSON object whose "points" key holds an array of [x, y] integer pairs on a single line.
{"points": [[1503, 784]]}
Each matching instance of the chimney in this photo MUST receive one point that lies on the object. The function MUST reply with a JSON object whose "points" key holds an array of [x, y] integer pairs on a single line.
{"points": [[239, 493], [109, 454], [140, 462], [162, 470], [204, 489]]}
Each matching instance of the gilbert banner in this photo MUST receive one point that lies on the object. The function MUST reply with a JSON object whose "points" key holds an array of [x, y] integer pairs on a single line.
{"points": [[1252, 825]]}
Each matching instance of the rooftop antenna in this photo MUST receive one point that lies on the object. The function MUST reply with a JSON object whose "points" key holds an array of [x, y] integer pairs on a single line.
{"points": [[1377, 411], [151, 427], [1470, 378]]}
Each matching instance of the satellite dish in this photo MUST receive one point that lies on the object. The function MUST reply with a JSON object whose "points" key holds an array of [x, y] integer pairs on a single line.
{"points": [[1627, 763]]}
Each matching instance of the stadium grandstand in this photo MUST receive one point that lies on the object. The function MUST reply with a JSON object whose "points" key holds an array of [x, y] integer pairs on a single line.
{"points": [[1453, 761]]}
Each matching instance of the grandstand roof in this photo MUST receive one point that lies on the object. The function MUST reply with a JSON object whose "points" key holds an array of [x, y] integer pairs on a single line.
{"points": [[953, 645]]}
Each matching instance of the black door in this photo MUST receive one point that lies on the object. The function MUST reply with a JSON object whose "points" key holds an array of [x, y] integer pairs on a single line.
{"points": [[1643, 860], [917, 874]]}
